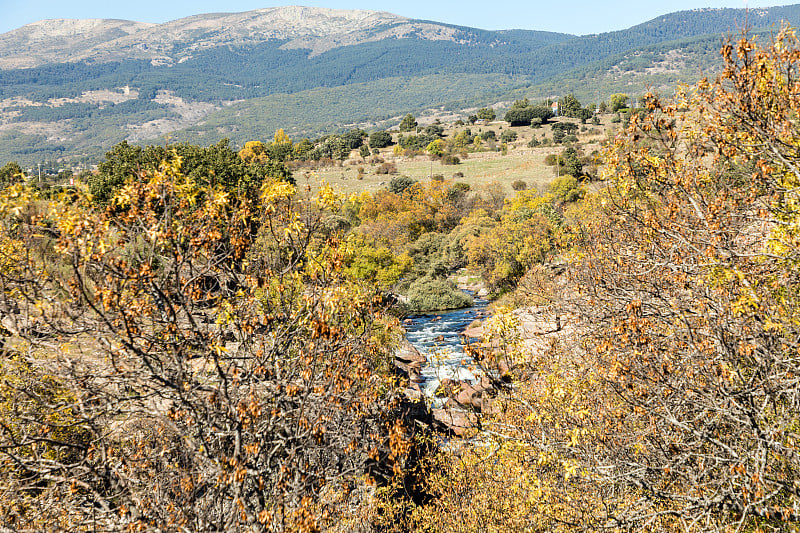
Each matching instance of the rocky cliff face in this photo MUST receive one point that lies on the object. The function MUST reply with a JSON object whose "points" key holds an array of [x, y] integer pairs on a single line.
{"points": [[316, 29], [55, 41]]}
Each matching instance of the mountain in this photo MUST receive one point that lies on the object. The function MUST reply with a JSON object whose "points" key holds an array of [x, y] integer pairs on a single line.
{"points": [[69, 89], [315, 30]]}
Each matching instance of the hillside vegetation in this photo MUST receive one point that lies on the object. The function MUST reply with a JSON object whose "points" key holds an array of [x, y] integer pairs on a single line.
{"points": [[208, 339], [180, 78]]}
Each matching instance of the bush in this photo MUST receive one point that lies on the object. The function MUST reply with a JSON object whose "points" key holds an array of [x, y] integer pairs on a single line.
{"points": [[566, 189], [387, 168], [519, 185], [508, 136], [519, 116], [435, 294], [488, 135], [380, 139], [451, 160], [533, 143], [401, 183]]}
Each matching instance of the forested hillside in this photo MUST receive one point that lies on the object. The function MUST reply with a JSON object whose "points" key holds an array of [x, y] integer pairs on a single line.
{"points": [[174, 82]]}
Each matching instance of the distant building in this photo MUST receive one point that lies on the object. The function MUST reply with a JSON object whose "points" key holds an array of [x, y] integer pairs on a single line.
{"points": [[555, 109]]}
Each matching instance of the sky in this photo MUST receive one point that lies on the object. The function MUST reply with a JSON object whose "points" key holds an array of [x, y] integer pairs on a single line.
{"points": [[568, 16]]}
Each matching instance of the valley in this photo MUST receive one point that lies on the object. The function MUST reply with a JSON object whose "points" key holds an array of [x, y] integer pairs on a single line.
{"points": [[314, 71]]}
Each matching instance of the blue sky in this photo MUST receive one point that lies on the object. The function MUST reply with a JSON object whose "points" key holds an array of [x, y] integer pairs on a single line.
{"points": [[569, 16]]}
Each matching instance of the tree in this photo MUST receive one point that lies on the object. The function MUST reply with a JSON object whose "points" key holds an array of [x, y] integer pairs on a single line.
{"points": [[570, 106], [122, 162], [566, 189], [303, 148], [618, 101], [334, 147], [436, 147], [281, 146], [409, 123], [508, 136], [461, 141], [212, 165], [572, 163], [354, 138], [254, 152], [504, 250], [690, 281], [519, 116], [380, 139], [543, 112], [376, 264], [486, 114], [562, 129], [10, 173], [399, 184], [195, 360]]}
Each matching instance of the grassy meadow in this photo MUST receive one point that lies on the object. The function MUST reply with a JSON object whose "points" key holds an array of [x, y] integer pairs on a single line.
{"points": [[477, 169]]}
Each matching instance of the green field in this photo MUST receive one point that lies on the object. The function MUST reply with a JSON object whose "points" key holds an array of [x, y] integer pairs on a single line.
{"points": [[477, 169]]}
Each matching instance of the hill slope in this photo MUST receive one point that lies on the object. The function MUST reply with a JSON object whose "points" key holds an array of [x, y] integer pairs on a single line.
{"points": [[70, 89]]}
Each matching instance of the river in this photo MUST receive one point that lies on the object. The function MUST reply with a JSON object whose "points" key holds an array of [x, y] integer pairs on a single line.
{"points": [[438, 337]]}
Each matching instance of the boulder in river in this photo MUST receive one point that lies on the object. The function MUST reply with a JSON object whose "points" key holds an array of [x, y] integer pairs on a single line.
{"points": [[471, 396], [455, 420], [407, 353]]}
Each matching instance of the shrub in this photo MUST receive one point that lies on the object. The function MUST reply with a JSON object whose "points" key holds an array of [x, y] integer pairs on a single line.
{"points": [[451, 160], [519, 116], [436, 294], [401, 183], [387, 168], [508, 136], [519, 185], [566, 189], [380, 139]]}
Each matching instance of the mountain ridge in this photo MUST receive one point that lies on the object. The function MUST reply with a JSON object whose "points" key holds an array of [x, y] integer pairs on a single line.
{"points": [[92, 83], [313, 28]]}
